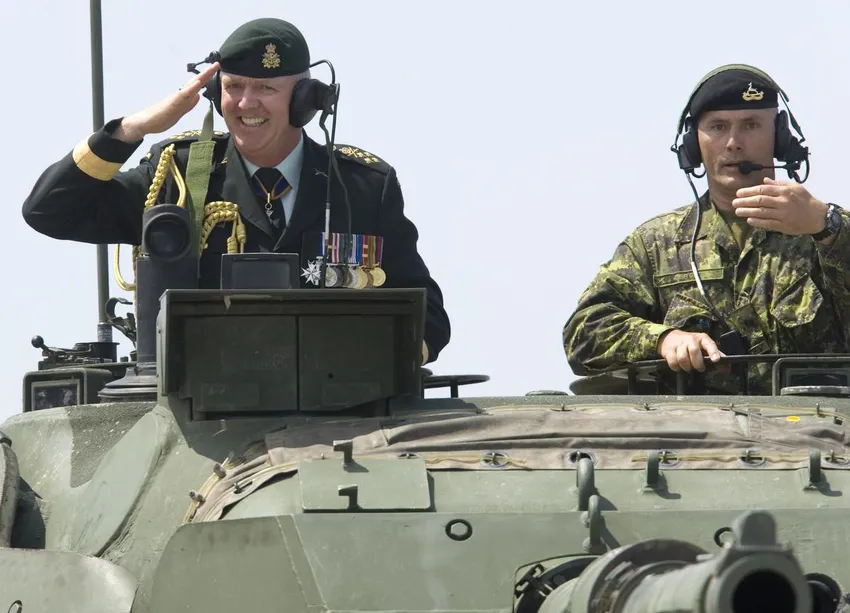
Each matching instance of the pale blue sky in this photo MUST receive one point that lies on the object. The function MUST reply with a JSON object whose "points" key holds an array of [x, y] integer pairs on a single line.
{"points": [[529, 140]]}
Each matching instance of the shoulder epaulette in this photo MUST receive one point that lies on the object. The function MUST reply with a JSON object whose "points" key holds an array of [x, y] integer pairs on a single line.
{"points": [[183, 139], [347, 152], [191, 135]]}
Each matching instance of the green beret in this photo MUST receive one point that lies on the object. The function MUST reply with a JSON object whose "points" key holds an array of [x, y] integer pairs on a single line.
{"points": [[731, 90], [265, 48]]}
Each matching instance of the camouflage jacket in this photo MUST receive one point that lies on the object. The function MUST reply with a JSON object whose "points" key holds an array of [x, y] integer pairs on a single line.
{"points": [[786, 294]]}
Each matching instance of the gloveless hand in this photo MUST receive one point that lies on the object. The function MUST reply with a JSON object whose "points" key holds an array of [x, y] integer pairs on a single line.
{"points": [[162, 115], [781, 206], [684, 350]]}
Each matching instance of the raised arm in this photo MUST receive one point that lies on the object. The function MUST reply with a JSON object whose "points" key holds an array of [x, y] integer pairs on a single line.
{"points": [[85, 197]]}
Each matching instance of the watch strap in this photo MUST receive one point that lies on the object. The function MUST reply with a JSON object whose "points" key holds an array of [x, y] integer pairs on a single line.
{"points": [[830, 228]]}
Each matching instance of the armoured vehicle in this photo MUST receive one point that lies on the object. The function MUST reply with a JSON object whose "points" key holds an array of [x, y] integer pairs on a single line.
{"points": [[267, 448]]}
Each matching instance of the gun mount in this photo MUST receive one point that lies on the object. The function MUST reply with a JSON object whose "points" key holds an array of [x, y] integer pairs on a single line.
{"points": [[126, 325], [82, 354], [68, 377]]}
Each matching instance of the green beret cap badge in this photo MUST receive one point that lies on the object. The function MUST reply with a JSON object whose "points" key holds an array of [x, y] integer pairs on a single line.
{"points": [[270, 58]]}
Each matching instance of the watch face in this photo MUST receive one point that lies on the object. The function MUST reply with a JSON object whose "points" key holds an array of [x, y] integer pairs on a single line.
{"points": [[834, 221]]}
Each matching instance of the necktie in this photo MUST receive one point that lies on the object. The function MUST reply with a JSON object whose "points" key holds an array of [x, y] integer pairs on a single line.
{"points": [[272, 185]]}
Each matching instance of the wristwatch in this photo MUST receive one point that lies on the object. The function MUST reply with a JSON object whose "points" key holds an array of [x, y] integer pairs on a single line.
{"points": [[833, 223]]}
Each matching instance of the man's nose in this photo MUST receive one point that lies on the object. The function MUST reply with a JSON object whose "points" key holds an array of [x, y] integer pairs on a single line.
{"points": [[248, 100], [734, 141]]}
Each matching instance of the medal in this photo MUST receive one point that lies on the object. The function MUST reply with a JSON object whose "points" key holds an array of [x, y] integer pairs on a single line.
{"points": [[355, 263], [379, 276], [331, 277], [312, 272], [347, 277], [360, 278], [272, 195]]}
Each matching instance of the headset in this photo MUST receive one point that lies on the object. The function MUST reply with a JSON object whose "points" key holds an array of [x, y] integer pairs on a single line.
{"points": [[309, 96], [787, 148]]}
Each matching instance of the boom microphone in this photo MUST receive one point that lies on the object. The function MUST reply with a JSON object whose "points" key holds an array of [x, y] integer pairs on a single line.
{"points": [[213, 57], [748, 167]]}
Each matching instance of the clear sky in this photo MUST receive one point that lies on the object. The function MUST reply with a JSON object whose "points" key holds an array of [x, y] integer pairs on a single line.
{"points": [[529, 139]]}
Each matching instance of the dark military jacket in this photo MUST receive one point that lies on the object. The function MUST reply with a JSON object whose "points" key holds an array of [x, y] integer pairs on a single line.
{"points": [[786, 294], [84, 197]]}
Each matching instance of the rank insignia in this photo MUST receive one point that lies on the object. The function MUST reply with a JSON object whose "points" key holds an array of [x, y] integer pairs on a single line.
{"points": [[751, 94], [360, 154], [193, 134], [270, 58]]}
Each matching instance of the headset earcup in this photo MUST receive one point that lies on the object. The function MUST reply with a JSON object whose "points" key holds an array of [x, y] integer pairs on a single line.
{"points": [[301, 106], [782, 136], [690, 156], [212, 91]]}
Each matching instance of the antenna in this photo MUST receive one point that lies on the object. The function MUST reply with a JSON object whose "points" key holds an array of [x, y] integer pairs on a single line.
{"points": [[104, 328]]}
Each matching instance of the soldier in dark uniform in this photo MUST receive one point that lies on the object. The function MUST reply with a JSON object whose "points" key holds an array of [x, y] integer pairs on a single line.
{"points": [[269, 168]]}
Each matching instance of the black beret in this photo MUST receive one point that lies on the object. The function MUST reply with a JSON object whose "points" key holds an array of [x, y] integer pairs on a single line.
{"points": [[733, 90], [265, 48]]}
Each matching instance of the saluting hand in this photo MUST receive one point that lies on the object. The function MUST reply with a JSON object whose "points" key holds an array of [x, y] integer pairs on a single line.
{"points": [[782, 206], [162, 115]]}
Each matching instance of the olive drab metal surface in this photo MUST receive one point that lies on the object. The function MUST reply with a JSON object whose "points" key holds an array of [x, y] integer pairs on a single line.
{"points": [[8, 489], [272, 449], [227, 472]]}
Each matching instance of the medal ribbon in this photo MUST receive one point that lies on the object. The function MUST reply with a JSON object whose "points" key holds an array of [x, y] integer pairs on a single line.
{"points": [[361, 250], [273, 194]]}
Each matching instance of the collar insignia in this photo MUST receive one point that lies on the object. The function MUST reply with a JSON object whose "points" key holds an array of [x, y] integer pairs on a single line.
{"points": [[752, 94], [270, 58]]}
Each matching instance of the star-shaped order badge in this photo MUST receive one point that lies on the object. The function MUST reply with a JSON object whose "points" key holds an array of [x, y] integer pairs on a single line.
{"points": [[312, 272]]}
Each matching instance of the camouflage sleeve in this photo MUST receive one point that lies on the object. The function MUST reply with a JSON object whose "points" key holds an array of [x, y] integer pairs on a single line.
{"points": [[613, 322], [835, 263]]}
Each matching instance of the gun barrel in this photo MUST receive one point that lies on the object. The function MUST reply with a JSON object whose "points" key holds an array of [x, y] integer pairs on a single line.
{"points": [[755, 582], [752, 573]]}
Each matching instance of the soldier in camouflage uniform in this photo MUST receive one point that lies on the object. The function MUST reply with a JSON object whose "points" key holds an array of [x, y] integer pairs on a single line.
{"points": [[773, 259]]}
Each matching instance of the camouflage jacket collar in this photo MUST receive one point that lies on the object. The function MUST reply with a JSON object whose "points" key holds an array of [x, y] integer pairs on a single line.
{"points": [[711, 224]]}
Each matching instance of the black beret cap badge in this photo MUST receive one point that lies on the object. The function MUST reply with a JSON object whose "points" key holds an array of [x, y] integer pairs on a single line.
{"points": [[751, 94]]}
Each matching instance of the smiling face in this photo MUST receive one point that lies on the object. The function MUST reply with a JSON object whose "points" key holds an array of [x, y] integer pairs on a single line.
{"points": [[729, 137], [256, 112]]}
